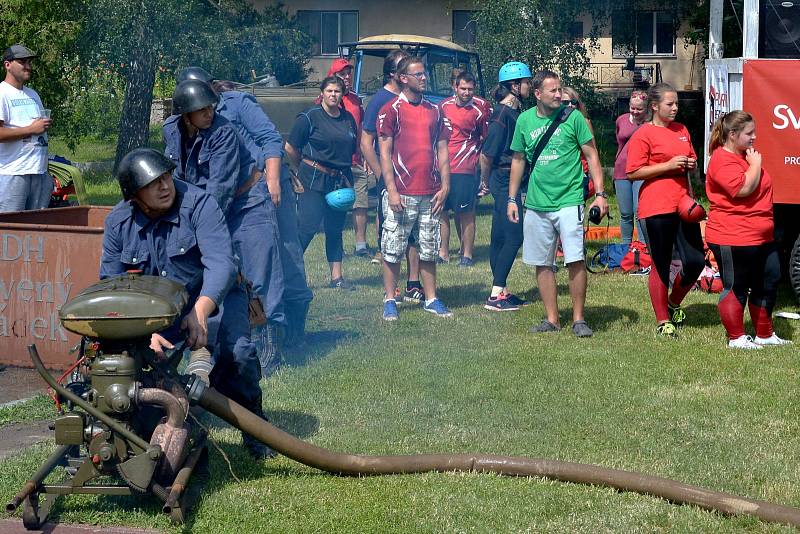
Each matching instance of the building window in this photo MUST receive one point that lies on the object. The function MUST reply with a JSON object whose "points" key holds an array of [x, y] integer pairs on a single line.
{"points": [[653, 33], [329, 28], [464, 27]]}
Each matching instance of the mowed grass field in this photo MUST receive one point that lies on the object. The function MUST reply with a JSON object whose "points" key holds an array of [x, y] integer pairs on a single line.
{"points": [[687, 409]]}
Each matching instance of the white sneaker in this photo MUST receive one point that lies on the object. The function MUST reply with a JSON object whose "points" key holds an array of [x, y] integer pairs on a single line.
{"points": [[743, 342], [771, 340]]}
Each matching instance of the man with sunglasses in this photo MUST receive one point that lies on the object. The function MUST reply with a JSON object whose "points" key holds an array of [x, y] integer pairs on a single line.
{"points": [[413, 137], [554, 205], [24, 181]]}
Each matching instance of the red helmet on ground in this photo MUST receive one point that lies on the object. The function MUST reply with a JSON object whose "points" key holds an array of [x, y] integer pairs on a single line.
{"points": [[690, 210]]}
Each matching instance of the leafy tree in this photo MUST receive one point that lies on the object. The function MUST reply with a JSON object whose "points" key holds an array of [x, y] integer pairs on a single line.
{"points": [[49, 28], [139, 39], [536, 32]]}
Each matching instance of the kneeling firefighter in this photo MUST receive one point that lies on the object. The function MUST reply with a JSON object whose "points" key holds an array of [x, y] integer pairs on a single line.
{"points": [[209, 153], [166, 227]]}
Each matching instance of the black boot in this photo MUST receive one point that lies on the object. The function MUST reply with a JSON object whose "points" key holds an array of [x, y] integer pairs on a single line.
{"points": [[257, 450], [296, 314]]}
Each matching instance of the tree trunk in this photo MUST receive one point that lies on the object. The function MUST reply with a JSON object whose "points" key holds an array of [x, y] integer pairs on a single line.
{"points": [[134, 125]]}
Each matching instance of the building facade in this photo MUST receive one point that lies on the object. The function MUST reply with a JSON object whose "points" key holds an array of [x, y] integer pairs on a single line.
{"points": [[660, 51]]}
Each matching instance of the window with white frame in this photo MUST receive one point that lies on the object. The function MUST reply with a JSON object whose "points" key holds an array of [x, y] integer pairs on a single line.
{"points": [[329, 28], [652, 35]]}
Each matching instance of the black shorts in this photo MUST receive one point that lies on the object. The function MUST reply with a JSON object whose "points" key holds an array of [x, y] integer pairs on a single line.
{"points": [[463, 193]]}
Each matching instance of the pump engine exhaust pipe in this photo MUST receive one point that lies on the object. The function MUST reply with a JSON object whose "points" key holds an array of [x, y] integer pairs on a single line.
{"points": [[358, 465]]}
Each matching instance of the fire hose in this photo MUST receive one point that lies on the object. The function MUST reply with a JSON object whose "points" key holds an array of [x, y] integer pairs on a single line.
{"points": [[365, 465], [362, 465]]}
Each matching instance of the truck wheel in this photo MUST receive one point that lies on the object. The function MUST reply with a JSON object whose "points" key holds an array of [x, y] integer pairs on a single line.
{"points": [[794, 268]]}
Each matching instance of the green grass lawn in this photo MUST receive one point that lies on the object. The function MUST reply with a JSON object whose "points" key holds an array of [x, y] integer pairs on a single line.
{"points": [[91, 149], [688, 409]]}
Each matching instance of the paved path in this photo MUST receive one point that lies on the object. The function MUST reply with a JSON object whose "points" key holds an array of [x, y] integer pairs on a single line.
{"points": [[16, 437], [14, 526], [17, 383]]}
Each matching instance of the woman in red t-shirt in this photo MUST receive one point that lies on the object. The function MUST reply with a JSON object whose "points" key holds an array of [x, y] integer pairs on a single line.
{"points": [[740, 231], [660, 153]]}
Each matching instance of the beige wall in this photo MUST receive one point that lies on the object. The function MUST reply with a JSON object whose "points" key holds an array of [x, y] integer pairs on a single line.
{"points": [[680, 70], [431, 18]]}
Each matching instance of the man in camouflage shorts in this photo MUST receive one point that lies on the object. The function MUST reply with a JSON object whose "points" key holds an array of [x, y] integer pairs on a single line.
{"points": [[412, 136]]}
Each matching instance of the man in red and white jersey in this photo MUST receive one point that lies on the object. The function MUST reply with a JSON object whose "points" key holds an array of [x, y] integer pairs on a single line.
{"points": [[414, 162], [468, 116]]}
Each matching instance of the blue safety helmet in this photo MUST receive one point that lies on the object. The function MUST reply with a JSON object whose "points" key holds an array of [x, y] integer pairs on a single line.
{"points": [[513, 70], [341, 199]]}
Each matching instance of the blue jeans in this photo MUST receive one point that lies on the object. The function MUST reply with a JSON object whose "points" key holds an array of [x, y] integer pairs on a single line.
{"points": [[628, 201], [20, 192]]}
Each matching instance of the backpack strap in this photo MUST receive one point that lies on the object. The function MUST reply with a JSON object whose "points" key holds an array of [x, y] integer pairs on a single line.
{"points": [[544, 139]]}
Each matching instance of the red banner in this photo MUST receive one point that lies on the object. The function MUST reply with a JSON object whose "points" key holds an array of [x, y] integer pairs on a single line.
{"points": [[771, 94]]}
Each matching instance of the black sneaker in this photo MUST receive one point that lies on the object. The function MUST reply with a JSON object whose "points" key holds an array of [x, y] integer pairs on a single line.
{"points": [[544, 327], [414, 294], [500, 303], [466, 262], [676, 315], [440, 260], [341, 283], [516, 301], [581, 329], [365, 253]]}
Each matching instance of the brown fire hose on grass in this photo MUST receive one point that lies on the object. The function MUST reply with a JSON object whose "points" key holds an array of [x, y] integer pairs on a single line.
{"points": [[358, 465]]}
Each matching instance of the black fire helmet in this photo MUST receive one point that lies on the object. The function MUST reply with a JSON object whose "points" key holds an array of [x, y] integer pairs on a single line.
{"points": [[140, 167]]}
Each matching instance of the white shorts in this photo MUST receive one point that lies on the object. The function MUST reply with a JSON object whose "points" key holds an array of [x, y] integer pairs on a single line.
{"points": [[542, 231]]}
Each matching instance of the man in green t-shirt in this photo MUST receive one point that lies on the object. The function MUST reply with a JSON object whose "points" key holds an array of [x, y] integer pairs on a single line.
{"points": [[554, 203]]}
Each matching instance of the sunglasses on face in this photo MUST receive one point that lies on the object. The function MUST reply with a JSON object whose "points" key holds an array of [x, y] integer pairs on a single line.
{"points": [[574, 103], [417, 75], [25, 61]]}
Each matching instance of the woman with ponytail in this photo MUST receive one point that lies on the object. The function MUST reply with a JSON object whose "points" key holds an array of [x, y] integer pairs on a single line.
{"points": [[660, 153], [495, 166], [740, 231]]}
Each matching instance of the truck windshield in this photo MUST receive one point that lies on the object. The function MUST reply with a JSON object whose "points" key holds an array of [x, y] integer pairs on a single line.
{"points": [[439, 65]]}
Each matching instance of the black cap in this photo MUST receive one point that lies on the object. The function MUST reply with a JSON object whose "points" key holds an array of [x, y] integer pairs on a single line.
{"points": [[17, 51], [140, 167]]}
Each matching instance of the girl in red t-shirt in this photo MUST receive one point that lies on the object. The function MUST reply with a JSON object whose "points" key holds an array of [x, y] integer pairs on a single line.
{"points": [[740, 231], [660, 153]]}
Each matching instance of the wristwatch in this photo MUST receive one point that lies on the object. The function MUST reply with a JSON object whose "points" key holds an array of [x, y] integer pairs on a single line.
{"points": [[602, 194]]}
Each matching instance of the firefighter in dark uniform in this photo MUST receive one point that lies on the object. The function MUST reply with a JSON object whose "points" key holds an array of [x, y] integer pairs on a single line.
{"points": [[266, 147], [166, 227], [209, 153]]}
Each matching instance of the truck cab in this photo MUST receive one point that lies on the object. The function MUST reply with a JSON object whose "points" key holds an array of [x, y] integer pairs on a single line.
{"points": [[440, 58]]}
